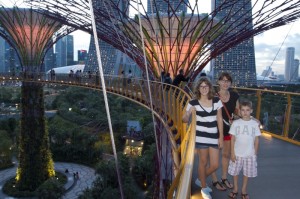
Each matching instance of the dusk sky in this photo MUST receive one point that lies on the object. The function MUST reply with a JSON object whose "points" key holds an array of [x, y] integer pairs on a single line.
{"points": [[267, 44]]}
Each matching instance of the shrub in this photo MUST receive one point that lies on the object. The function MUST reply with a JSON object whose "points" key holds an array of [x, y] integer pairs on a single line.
{"points": [[50, 189]]}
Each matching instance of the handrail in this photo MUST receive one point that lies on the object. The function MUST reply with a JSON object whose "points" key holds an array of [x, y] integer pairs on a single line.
{"points": [[169, 106], [169, 103]]}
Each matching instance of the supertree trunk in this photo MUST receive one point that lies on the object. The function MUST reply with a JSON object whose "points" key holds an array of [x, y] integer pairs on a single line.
{"points": [[31, 34], [35, 161]]}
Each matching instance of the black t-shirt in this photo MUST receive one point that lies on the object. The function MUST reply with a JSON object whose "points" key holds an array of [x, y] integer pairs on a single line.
{"points": [[179, 78], [230, 105]]}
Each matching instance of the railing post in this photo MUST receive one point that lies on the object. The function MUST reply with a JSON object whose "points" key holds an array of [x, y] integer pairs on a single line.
{"points": [[258, 94], [287, 116]]}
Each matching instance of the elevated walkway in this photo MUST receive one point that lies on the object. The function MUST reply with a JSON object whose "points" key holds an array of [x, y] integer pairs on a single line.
{"points": [[278, 172], [278, 161]]}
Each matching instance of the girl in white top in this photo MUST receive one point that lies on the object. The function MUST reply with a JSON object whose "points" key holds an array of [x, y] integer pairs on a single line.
{"points": [[208, 139]]}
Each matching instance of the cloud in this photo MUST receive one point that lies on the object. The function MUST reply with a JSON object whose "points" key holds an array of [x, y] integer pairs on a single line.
{"points": [[270, 47]]}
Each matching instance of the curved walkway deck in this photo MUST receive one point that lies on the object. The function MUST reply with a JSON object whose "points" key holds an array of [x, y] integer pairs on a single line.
{"points": [[86, 178], [278, 172]]}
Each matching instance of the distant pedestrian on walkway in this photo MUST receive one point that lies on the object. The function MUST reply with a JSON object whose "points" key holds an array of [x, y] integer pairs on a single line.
{"points": [[179, 78], [244, 147], [129, 77], [167, 80]]}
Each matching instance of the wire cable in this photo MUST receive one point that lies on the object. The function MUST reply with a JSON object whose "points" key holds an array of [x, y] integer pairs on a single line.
{"points": [[105, 96]]}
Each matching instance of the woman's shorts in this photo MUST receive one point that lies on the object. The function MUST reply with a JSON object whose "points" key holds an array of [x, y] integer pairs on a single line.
{"points": [[227, 137], [204, 146]]}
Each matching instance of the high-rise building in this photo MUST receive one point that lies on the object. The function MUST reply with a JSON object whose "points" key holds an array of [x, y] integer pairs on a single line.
{"points": [[113, 60], [64, 50], [289, 63], [49, 60], [267, 72], [2, 55], [162, 6], [295, 70], [239, 61], [9, 62], [82, 56]]}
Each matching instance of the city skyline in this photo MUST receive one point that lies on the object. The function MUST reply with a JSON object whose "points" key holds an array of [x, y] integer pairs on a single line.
{"points": [[268, 45]]}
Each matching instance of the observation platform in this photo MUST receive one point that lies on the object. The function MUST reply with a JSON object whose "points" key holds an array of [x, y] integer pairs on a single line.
{"points": [[278, 172], [278, 160]]}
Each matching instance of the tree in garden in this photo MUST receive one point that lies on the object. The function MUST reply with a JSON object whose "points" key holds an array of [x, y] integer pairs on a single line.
{"points": [[31, 35], [5, 149]]}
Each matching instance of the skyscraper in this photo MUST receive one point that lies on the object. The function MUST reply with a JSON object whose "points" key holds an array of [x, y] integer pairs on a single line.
{"points": [[9, 62], [82, 56], [239, 61], [162, 6], [64, 50], [295, 70], [113, 60], [49, 61], [267, 72], [2, 55], [289, 63]]}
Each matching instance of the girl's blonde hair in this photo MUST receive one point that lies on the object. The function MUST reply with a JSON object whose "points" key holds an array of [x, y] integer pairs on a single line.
{"points": [[205, 80]]}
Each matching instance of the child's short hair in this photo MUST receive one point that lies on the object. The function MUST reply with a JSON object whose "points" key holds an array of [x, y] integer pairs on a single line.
{"points": [[246, 103]]}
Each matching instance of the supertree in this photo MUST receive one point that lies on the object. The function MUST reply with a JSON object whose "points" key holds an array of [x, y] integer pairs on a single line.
{"points": [[31, 34], [174, 38]]}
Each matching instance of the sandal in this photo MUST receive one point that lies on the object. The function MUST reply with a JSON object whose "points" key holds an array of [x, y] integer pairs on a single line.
{"points": [[227, 183], [233, 195], [245, 196], [219, 186]]}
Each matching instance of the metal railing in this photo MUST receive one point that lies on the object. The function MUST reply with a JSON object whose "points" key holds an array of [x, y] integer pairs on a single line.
{"points": [[278, 111]]}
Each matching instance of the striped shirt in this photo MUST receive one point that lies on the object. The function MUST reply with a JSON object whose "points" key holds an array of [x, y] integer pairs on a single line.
{"points": [[206, 126]]}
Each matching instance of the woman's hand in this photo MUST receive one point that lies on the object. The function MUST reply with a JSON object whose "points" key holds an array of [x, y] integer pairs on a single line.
{"points": [[187, 114], [221, 142]]}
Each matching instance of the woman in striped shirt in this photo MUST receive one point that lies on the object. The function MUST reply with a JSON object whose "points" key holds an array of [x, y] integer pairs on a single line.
{"points": [[209, 131]]}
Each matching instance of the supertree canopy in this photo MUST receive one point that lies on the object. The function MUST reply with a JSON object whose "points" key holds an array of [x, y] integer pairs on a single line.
{"points": [[31, 34], [176, 35]]}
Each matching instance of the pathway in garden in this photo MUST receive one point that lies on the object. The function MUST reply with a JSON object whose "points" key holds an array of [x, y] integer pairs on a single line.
{"points": [[75, 186]]}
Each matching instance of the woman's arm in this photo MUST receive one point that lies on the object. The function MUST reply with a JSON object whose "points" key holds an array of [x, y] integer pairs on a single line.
{"points": [[237, 108], [187, 115], [220, 127]]}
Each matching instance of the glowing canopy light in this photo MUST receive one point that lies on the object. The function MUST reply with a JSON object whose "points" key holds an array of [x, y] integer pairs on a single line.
{"points": [[29, 32], [113, 24], [179, 40]]}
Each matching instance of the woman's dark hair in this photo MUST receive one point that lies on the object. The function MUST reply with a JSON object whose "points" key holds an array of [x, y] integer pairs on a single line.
{"points": [[225, 74], [205, 80]]}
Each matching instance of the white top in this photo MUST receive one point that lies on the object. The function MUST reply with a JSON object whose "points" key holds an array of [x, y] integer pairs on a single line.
{"points": [[206, 122], [245, 133]]}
